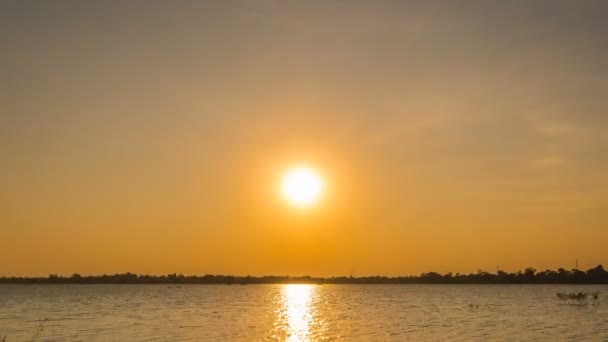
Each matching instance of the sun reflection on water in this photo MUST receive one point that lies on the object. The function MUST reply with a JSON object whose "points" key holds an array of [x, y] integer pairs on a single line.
{"points": [[297, 308]]}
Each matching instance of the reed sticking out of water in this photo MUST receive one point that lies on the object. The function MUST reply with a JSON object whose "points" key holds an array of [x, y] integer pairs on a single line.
{"points": [[580, 298], [39, 329]]}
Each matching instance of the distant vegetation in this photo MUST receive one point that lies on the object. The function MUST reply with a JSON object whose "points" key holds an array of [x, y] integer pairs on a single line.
{"points": [[580, 298], [596, 275]]}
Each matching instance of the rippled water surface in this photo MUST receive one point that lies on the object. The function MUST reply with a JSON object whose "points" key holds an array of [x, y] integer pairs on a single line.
{"points": [[298, 313]]}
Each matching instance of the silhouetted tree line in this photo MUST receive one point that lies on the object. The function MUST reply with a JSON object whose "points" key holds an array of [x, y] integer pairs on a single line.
{"points": [[596, 275]]}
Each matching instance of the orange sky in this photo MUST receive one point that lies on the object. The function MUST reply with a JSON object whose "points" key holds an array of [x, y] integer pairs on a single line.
{"points": [[451, 137]]}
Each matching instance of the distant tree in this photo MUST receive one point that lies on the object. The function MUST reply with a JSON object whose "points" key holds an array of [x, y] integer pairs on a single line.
{"points": [[529, 274], [597, 274]]}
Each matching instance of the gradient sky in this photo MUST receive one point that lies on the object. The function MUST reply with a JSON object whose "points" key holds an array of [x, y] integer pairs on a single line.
{"points": [[149, 136]]}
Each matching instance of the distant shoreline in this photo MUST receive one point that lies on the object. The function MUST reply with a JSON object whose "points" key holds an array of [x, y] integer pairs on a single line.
{"points": [[596, 275], [177, 285]]}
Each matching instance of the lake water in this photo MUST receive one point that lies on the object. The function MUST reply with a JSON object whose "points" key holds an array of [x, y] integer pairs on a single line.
{"points": [[298, 313]]}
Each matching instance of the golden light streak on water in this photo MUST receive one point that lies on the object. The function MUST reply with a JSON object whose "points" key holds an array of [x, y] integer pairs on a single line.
{"points": [[297, 307]]}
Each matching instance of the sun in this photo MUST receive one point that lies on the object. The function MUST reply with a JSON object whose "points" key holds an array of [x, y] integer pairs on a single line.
{"points": [[302, 186]]}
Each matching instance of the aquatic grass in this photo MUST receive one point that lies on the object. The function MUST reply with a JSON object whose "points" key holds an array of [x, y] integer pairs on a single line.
{"points": [[37, 332], [579, 298], [39, 329]]}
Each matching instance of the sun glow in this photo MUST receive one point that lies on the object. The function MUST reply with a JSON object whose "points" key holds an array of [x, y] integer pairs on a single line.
{"points": [[302, 186]]}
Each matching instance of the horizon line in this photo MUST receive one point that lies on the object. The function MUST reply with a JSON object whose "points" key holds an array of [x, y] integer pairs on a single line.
{"points": [[351, 276]]}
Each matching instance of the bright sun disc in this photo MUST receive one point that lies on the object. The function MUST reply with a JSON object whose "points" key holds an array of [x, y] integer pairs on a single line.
{"points": [[302, 186]]}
